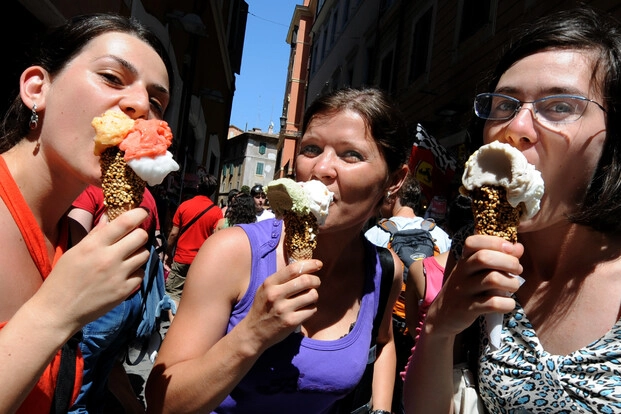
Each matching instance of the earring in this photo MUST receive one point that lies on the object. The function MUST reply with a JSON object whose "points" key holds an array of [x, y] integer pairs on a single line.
{"points": [[34, 117], [388, 194]]}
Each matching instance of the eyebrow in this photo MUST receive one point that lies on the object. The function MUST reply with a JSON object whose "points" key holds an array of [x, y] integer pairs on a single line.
{"points": [[556, 90], [127, 65]]}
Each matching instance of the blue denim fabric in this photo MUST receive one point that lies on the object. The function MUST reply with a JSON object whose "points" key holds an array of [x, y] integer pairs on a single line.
{"points": [[103, 341]]}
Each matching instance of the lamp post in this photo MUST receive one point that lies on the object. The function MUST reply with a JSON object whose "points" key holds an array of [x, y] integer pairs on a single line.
{"points": [[283, 124]]}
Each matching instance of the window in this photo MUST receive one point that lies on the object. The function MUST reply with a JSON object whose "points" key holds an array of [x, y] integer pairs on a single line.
{"points": [[259, 168], [421, 40], [224, 171], [262, 148], [474, 15]]}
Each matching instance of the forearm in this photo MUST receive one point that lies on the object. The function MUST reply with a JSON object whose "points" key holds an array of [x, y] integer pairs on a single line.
{"points": [[28, 342], [201, 384], [428, 384], [384, 371]]}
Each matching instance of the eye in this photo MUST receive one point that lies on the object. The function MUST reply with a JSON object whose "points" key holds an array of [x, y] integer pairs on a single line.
{"points": [[310, 151], [558, 109], [112, 79], [352, 156], [157, 106]]}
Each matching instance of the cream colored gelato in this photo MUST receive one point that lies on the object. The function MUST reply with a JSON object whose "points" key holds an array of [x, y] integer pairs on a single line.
{"points": [[303, 207], [501, 165]]}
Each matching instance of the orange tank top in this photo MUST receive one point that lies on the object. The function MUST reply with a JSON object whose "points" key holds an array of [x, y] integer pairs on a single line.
{"points": [[40, 398]]}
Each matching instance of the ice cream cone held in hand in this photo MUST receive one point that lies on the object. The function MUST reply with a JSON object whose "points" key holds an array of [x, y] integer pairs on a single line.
{"points": [[504, 189], [132, 154], [303, 207]]}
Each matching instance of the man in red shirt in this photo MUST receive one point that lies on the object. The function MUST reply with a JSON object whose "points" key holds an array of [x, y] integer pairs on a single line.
{"points": [[194, 221]]}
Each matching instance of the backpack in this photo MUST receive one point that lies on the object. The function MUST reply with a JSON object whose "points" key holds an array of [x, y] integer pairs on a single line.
{"points": [[413, 244], [147, 339]]}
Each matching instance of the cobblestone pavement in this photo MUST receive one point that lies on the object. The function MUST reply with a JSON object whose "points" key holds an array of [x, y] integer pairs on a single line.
{"points": [[138, 375]]}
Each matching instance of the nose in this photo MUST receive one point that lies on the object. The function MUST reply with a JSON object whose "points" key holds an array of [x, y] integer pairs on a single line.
{"points": [[521, 131], [324, 165], [136, 103]]}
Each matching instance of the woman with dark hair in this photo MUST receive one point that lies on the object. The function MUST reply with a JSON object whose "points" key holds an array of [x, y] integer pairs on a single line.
{"points": [[84, 68], [241, 211], [275, 336], [555, 96]]}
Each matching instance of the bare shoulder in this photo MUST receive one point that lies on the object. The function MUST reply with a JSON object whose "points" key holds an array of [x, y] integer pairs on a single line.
{"points": [[223, 262]]}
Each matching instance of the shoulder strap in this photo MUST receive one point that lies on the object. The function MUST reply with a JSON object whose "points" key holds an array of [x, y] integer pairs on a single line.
{"points": [[388, 274], [359, 399], [199, 215], [388, 226]]}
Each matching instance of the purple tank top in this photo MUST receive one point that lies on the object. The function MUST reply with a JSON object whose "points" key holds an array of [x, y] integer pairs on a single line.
{"points": [[301, 374]]}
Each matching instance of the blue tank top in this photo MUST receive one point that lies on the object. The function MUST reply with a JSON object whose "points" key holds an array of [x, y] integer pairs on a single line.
{"points": [[301, 374]]}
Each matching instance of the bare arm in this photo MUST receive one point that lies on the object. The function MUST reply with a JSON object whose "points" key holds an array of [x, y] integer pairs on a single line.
{"points": [[197, 368], [468, 292], [110, 257], [170, 244]]}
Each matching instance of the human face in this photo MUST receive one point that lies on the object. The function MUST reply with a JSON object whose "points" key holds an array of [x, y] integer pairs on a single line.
{"points": [[259, 201], [566, 154], [339, 151], [114, 71]]}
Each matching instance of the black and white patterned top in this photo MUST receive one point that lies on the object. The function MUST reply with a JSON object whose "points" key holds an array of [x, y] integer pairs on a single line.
{"points": [[521, 377]]}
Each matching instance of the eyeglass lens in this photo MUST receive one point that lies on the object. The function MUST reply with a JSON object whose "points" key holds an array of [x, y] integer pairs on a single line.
{"points": [[555, 109]]}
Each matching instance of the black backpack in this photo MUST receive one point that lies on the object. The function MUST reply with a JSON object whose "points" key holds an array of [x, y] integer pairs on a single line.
{"points": [[413, 244]]}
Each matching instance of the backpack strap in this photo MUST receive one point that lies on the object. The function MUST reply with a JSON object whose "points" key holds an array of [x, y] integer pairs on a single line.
{"points": [[359, 399], [388, 226]]}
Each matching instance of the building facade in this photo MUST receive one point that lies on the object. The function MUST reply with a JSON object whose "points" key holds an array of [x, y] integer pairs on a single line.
{"points": [[249, 158], [430, 55]]}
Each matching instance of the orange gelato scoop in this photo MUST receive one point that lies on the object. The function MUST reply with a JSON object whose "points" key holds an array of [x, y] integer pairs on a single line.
{"points": [[147, 139]]}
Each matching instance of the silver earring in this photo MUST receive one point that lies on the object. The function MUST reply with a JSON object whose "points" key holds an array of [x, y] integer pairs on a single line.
{"points": [[34, 117]]}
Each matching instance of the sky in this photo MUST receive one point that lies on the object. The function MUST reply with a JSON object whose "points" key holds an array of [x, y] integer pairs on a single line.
{"points": [[260, 87]]}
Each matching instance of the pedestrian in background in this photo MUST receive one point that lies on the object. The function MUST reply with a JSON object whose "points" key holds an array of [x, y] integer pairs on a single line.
{"points": [[262, 211], [194, 221], [241, 211], [105, 339]]}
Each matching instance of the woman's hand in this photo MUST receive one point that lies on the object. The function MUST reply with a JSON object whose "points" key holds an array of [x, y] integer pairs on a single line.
{"points": [[284, 301], [480, 283], [98, 273]]}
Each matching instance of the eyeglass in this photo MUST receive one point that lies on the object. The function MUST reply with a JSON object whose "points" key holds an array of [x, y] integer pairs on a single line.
{"points": [[259, 196], [556, 109]]}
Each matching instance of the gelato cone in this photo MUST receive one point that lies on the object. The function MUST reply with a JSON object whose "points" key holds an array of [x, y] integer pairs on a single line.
{"points": [[504, 189], [303, 207], [122, 188], [493, 215], [132, 154]]}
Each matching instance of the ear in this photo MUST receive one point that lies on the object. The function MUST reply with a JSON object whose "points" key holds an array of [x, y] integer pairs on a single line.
{"points": [[33, 84], [397, 179]]}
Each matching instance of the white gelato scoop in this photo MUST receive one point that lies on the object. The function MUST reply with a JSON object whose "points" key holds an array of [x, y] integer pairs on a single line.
{"points": [[499, 164]]}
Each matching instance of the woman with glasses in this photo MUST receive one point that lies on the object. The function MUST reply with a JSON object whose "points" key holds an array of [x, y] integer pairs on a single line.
{"points": [[556, 97]]}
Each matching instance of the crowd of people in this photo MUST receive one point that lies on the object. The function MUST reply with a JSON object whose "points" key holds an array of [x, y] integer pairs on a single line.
{"points": [[255, 330]]}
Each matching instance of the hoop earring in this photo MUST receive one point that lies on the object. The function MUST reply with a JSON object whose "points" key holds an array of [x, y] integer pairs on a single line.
{"points": [[34, 117]]}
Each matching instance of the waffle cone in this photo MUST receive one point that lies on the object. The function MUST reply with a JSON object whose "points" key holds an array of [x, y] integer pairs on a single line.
{"points": [[122, 188], [493, 215], [300, 235]]}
